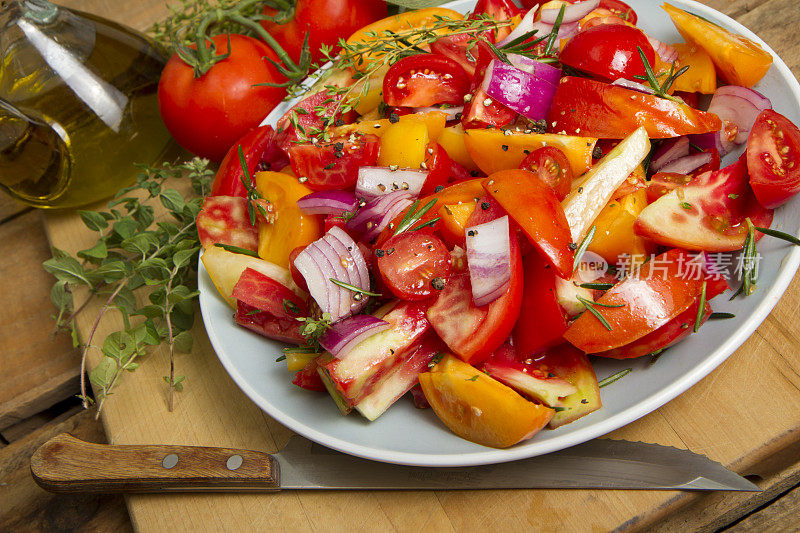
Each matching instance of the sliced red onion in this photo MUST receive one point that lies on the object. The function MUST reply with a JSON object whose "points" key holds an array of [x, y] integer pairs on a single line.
{"points": [[379, 181], [328, 203], [335, 256], [668, 152], [373, 218], [572, 12], [667, 53], [537, 68], [565, 31], [706, 141], [740, 107], [489, 260], [687, 164], [451, 112], [518, 90], [341, 337], [633, 85], [353, 260], [525, 26]]}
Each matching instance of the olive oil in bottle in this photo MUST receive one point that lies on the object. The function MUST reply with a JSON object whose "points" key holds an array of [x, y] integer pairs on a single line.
{"points": [[78, 105]]}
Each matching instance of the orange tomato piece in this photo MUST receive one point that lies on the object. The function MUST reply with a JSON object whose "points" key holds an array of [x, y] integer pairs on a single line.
{"points": [[615, 234], [739, 60], [287, 227], [478, 408], [492, 150], [701, 76], [534, 207]]}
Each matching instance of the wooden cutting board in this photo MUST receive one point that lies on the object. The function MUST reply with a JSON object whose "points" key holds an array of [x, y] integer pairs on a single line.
{"points": [[746, 414]]}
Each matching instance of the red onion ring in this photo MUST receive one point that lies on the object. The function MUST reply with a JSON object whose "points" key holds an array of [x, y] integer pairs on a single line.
{"points": [[572, 12], [343, 336], [668, 152], [687, 164], [353, 260], [525, 25], [739, 106], [518, 90], [537, 68], [489, 260], [373, 218], [451, 112], [379, 181], [327, 203], [667, 53], [633, 85]]}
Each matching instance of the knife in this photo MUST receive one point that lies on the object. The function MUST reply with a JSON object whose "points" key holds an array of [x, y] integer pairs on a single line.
{"points": [[66, 464]]}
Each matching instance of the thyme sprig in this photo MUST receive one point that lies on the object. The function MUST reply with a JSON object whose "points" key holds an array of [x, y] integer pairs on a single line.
{"points": [[254, 198], [660, 89], [136, 259]]}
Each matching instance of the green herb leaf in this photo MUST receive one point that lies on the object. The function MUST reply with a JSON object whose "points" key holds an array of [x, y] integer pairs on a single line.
{"points": [[721, 316], [587, 240], [701, 308], [353, 288], [780, 235], [615, 377], [236, 249]]}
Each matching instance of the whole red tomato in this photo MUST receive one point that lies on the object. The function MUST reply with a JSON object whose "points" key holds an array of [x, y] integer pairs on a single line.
{"points": [[327, 20], [206, 115]]}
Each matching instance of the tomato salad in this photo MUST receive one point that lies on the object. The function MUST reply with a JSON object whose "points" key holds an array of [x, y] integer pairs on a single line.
{"points": [[433, 236]]}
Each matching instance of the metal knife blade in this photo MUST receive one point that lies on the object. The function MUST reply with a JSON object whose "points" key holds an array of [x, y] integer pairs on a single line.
{"points": [[68, 465], [597, 464]]}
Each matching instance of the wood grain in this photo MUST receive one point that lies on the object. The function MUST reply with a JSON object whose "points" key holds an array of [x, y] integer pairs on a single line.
{"points": [[26, 507], [30, 382], [746, 414], [66, 464]]}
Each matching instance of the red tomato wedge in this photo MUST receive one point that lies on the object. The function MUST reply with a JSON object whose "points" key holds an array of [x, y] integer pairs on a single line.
{"points": [[335, 164], [261, 152], [424, 80], [670, 333], [225, 220], [773, 159], [542, 322], [708, 213], [414, 265], [595, 109], [609, 51], [537, 211], [262, 307], [473, 333], [661, 291], [552, 167]]}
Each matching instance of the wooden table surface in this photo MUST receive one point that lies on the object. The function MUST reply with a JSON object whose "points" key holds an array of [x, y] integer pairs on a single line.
{"points": [[746, 414]]}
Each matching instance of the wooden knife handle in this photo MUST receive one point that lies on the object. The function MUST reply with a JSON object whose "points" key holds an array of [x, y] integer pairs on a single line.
{"points": [[66, 464]]}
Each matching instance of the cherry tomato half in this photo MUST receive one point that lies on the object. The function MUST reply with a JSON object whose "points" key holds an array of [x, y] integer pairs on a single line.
{"points": [[552, 167], [414, 265], [620, 9], [609, 51], [424, 80], [773, 159]]}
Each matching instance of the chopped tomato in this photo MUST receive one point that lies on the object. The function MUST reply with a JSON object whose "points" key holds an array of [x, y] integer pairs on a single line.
{"points": [[739, 60], [587, 107], [303, 117], [773, 159], [499, 10], [260, 151], [308, 377], [708, 213], [457, 47], [414, 265], [620, 9], [537, 211], [480, 110], [425, 80], [638, 305], [334, 164], [552, 167], [473, 333], [701, 76], [542, 322], [609, 51], [269, 308], [225, 220]]}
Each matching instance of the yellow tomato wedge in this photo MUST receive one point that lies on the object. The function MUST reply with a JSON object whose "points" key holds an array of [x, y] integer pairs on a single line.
{"points": [[701, 76], [434, 121], [492, 150], [614, 235], [478, 408], [403, 144], [739, 60], [402, 22], [288, 227], [452, 140]]}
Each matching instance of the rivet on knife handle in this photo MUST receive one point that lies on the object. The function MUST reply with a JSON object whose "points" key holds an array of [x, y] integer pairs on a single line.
{"points": [[69, 465]]}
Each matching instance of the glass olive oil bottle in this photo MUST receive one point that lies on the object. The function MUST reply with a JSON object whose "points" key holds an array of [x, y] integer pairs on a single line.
{"points": [[78, 105]]}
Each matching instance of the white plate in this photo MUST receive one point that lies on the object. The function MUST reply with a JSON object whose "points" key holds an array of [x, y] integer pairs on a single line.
{"points": [[410, 436]]}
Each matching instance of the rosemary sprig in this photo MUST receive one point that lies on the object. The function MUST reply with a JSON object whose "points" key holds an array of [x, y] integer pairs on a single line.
{"points": [[660, 89], [779, 234], [749, 263], [590, 306], [253, 196], [655, 356], [353, 288], [596, 286], [551, 41], [721, 316], [413, 216], [587, 240], [615, 377], [701, 309], [236, 249]]}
